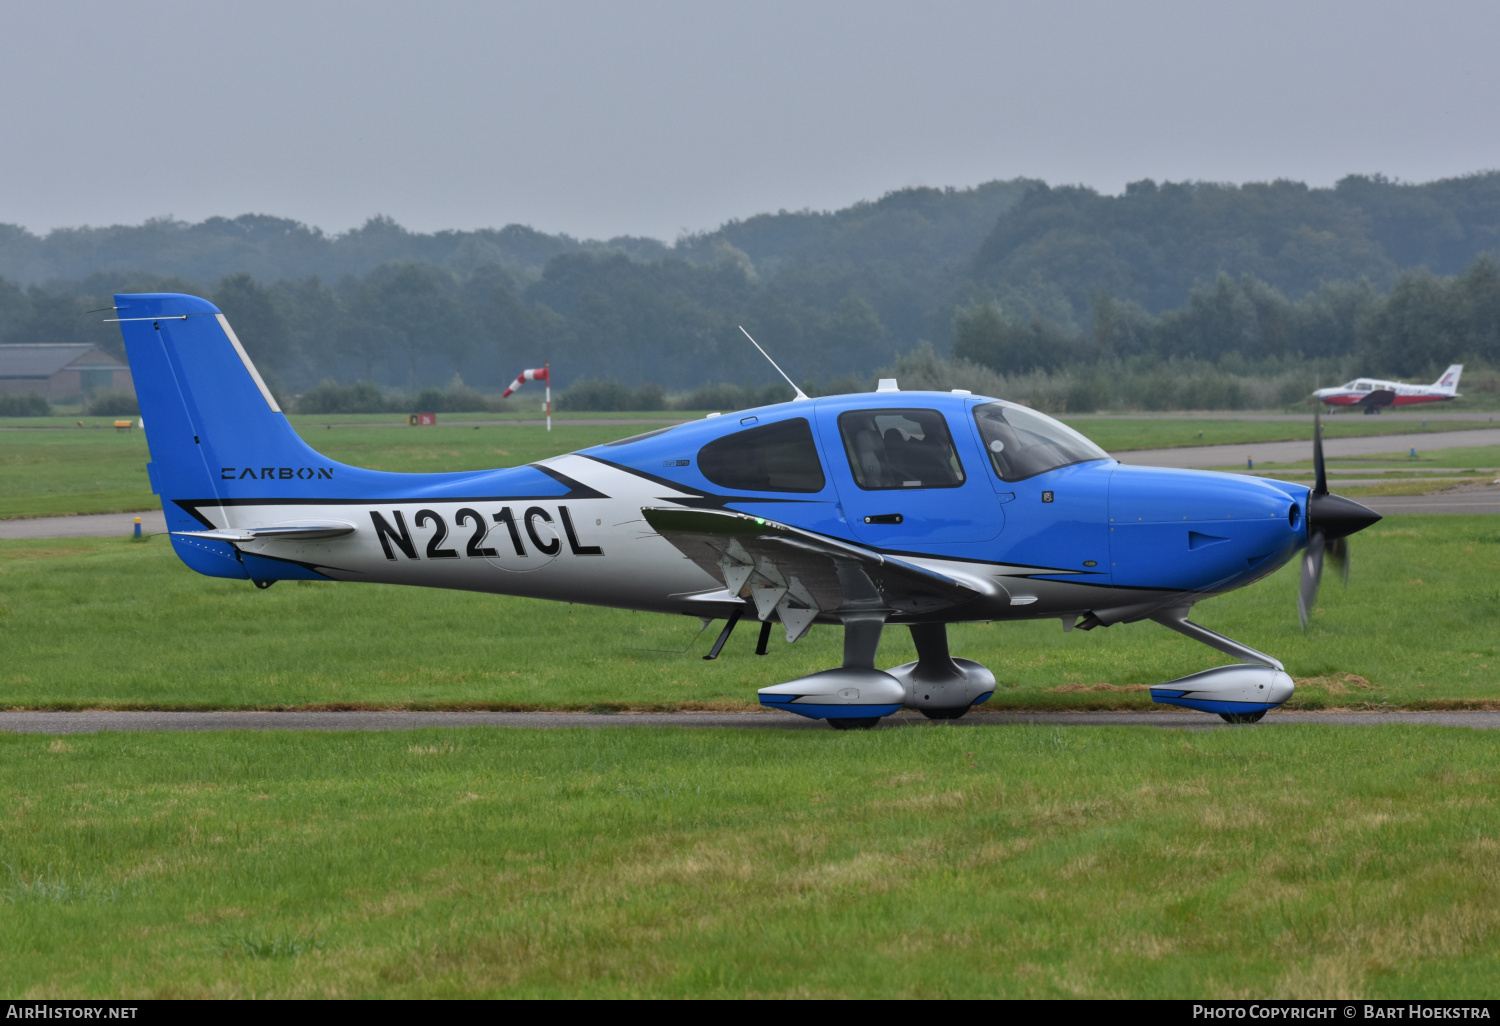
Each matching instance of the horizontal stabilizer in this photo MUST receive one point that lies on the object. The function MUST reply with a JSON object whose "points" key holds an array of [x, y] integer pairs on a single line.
{"points": [[299, 530]]}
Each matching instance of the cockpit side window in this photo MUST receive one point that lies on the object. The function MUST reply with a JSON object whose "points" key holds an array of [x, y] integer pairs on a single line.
{"points": [[1363, 386], [900, 449], [1023, 443], [779, 457]]}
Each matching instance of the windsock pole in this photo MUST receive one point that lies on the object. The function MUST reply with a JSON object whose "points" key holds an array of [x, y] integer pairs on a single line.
{"points": [[547, 404]]}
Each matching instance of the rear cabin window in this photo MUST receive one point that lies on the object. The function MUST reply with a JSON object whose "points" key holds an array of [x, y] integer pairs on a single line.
{"points": [[900, 449], [779, 457]]}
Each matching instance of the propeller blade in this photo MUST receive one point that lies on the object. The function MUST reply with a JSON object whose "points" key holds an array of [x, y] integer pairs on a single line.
{"points": [[1320, 485], [1330, 521], [1312, 573], [1338, 555]]}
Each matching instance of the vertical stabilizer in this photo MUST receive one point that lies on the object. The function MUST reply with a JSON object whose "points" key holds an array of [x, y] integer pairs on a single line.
{"points": [[1449, 381], [214, 429]]}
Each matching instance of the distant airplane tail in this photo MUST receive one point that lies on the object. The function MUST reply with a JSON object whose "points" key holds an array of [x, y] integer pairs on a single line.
{"points": [[1449, 381]]}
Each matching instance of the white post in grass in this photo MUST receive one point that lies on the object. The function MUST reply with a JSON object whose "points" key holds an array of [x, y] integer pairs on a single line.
{"points": [[547, 404]]}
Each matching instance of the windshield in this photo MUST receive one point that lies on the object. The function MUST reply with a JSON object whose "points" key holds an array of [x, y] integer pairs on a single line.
{"points": [[1023, 443]]}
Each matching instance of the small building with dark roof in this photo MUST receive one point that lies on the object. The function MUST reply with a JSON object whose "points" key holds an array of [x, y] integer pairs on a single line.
{"points": [[61, 370]]}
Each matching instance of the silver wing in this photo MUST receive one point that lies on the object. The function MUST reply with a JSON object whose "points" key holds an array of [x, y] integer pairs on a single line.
{"points": [[800, 575]]}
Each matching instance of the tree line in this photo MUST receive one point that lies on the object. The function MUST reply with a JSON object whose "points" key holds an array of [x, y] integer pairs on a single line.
{"points": [[1387, 277], [1422, 324]]}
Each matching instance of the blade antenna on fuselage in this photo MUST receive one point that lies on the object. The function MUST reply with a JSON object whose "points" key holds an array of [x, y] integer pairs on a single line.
{"points": [[800, 394]]}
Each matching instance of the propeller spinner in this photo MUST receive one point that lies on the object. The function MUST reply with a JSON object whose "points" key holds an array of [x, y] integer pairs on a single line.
{"points": [[1330, 521]]}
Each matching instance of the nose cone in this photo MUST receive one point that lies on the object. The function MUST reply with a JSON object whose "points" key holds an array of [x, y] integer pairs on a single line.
{"points": [[1338, 517]]}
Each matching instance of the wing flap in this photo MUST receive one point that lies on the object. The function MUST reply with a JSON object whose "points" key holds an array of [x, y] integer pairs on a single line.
{"points": [[817, 572]]}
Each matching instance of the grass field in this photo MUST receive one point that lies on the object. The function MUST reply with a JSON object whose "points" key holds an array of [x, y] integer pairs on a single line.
{"points": [[113, 623], [920, 861], [927, 861], [66, 472], [61, 473], [318, 420]]}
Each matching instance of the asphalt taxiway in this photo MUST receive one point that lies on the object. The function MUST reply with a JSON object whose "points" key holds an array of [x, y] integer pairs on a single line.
{"points": [[1204, 456], [93, 722]]}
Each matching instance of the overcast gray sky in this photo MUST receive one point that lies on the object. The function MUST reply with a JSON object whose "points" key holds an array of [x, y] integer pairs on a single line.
{"points": [[652, 118]]}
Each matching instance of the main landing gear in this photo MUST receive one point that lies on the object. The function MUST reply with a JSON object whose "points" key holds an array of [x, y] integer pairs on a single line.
{"points": [[939, 686], [856, 696]]}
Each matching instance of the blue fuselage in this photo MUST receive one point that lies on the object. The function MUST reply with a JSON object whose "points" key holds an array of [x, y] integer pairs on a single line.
{"points": [[1095, 522]]}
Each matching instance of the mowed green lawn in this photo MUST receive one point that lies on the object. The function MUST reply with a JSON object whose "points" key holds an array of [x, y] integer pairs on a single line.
{"points": [[115, 623], [61, 473], [924, 861], [64, 472]]}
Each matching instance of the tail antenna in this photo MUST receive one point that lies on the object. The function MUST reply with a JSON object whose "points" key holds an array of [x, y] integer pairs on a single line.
{"points": [[800, 394]]}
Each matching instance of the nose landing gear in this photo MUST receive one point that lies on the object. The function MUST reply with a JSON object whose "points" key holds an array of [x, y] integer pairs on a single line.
{"points": [[1243, 717]]}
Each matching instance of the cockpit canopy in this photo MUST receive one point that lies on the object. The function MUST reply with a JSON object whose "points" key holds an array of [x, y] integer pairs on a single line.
{"points": [[923, 441]]}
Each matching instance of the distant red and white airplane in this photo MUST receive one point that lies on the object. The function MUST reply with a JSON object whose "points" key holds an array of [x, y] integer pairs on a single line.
{"points": [[1374, 394]]}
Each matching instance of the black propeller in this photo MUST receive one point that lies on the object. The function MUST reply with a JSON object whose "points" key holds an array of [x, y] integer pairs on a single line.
{"points": [[1330, 521]]}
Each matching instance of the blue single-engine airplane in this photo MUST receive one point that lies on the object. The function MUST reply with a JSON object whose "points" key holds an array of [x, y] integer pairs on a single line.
{"points": [[918, 509]]}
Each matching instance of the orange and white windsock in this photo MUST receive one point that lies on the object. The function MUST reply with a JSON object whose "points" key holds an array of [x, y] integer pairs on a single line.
{"points": [[535, 374]]}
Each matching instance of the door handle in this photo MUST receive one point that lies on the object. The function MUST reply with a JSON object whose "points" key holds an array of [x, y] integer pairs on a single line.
{"points": [[885, 518]]}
